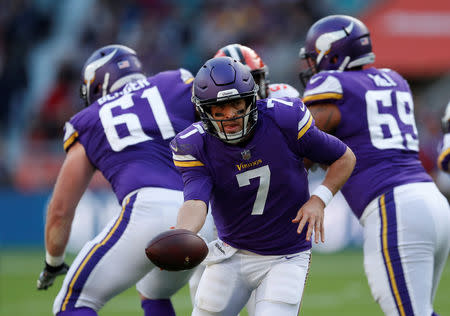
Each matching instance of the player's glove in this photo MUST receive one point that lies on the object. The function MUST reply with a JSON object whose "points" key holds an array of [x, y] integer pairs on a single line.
{"points": [[49, 274]]}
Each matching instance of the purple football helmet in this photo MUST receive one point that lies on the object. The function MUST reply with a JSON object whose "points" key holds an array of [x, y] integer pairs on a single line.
{"points": [[108, 69], [251, 59], [222, 80], [336, 42]]}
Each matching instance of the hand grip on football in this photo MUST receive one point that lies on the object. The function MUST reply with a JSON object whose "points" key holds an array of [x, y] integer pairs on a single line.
{"points": [[176, 249]]}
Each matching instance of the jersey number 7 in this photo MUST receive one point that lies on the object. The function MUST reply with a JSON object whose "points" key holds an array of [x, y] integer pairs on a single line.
{"points": [[263, 173]]}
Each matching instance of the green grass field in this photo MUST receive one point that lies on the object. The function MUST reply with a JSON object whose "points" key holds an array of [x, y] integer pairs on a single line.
{"points": [[336, 286]]}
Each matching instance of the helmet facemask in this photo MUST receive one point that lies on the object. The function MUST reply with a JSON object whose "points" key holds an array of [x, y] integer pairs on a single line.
{"points": [[224, 81], [308, 67], [260, 77], [216, 126]]}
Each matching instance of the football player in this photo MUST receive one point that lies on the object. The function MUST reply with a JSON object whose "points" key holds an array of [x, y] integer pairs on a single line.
{"points": [[444, 146], [406, 220], [259, 71], [245, 157], [124, 132]]}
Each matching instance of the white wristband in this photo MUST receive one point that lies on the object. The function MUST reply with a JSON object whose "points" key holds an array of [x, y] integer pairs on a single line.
{"points": [[54, 261], [323, 193]]}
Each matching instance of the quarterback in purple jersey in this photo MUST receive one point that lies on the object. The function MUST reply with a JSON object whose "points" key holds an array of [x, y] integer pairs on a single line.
{"points": [[124, 132], [245, 158], [406, 220], [259, 71], [443, 160]]}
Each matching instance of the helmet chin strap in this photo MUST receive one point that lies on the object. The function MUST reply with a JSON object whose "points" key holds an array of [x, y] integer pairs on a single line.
{"points": [[105, 84], [344, 63], [229, 138], [367, 59], [233, 138]]}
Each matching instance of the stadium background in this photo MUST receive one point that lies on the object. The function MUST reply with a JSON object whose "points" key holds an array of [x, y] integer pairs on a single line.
{"points": [[44, 43]]}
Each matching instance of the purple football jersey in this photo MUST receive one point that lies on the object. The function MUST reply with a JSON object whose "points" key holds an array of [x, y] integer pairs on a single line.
{"points": [[377, 123], [126, 134], [256, 189]]}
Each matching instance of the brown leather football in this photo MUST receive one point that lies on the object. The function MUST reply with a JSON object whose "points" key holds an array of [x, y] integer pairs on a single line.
{"points": [[176, 249]]}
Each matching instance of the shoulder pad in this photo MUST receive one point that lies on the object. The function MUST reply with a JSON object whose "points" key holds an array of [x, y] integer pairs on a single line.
{"points": [[189, 138], [78, 123], [185, 146], [289, 114], [186, 75], [322, 87]]}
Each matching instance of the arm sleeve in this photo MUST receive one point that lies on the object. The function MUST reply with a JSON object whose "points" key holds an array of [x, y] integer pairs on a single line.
{"points": [[196, 177], [197, 185], [321, 147], [70, 136], [444, 154]]}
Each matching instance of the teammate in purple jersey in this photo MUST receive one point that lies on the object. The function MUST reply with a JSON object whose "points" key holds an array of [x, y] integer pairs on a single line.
{"points": [[443, 160], [406, 220], [245, 157], [124, 132]]}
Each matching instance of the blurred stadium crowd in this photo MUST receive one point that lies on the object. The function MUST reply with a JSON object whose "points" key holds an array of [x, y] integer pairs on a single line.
{"points": [[43, 44]]}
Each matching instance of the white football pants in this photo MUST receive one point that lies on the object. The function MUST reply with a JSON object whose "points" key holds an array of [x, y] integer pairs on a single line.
{"points": [[115, 259], [406, 245], [278, 282]]}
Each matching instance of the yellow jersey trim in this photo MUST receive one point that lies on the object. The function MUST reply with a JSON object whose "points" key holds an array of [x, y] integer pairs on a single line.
{"points": [[323, 96], [442, 157], [93, 250], [69, 142], [384, 233], [305, 128], [195, 163]]}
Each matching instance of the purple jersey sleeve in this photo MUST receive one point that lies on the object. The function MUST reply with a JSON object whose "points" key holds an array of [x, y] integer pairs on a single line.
{"points": [[196, 177], [321, 147], [307, 140]]}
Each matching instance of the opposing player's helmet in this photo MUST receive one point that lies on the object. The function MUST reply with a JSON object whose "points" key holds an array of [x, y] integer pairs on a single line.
{"points": [[336, 42], [108, 69], [222, 80], [251, 59]]}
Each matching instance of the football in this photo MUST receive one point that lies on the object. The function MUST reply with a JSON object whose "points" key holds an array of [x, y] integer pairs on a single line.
{"points": [[176, 249]]}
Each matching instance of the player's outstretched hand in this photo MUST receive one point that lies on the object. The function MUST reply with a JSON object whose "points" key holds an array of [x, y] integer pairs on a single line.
{"points": [[49, 274], [312, 212]]}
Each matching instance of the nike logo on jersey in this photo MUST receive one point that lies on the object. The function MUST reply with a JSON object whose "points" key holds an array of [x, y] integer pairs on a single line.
{"points": [[290, 257], [219, 248], [174, 146]]}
